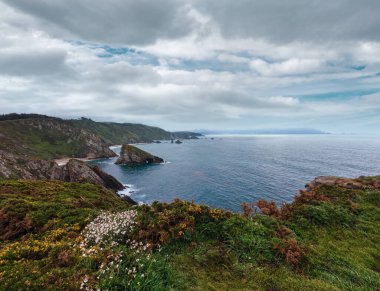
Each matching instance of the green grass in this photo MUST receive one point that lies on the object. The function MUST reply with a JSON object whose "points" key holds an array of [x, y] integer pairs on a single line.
{"points": [[327, 242], [43, 138], [29, 206]]}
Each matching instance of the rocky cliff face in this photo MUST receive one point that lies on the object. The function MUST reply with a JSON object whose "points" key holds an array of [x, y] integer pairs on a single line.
{"points": [[78, 171], [131, 155], [15, 167]]}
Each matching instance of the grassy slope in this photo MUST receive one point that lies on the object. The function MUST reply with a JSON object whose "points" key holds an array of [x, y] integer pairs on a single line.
{"points": [[19, 137], [119, 133], [40, 221], [47, 138], [343, 252], [331, 242]]}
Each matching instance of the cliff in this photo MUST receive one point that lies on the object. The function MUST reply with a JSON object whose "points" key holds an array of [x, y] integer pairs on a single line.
{"points": [[15, 167], [131, 155]]}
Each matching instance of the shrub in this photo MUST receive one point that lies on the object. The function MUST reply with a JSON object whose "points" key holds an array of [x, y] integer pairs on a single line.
{"points": [[248, 238], [324, 214], [291, 251], [163, 222]]}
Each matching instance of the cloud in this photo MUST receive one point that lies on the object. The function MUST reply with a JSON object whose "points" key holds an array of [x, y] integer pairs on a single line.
{"points": [[289, 67], [188, 64], [295, 20], [32, 62], [113, 21]]}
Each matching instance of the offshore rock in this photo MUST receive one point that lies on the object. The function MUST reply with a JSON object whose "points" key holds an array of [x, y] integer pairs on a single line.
{"points": [[131, 155]]}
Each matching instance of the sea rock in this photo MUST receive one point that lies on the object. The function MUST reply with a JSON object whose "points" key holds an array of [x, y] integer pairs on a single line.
{"points": [[178, 141], [131, 155]]}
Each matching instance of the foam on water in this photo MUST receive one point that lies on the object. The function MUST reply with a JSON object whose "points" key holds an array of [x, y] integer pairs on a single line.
{"points": [[128, 190]]}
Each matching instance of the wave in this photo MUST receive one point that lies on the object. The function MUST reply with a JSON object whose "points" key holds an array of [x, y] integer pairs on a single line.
{"points": [[128, 190]]}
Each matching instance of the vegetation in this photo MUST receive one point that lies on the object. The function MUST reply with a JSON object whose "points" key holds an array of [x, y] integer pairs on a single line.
{"points": [[48, 138], [68, 235], [15, 116], [119, 133], [44, 137]]}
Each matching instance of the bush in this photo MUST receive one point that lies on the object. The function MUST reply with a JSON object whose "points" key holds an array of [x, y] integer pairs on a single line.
{"points": [[163, 222], [248, 238], [324, 214]]}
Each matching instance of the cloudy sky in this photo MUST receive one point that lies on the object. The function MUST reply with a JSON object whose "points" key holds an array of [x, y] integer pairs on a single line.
{"points": [[188, 64]]}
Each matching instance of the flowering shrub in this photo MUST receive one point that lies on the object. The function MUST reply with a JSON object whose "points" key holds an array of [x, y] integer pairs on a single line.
{"points": [[34, 248], [118, 260], [163, 222], [109, 228]]}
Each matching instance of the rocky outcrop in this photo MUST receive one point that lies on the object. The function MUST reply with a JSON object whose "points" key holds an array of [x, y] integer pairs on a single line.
{"points": [[131, 155], [16, 167], [108, 180], [361, 183], [78, 171]]}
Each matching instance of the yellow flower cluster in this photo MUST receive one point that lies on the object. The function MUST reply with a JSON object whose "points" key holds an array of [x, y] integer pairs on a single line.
{"points": [[194, 208], [216, 213], [35, 248]]}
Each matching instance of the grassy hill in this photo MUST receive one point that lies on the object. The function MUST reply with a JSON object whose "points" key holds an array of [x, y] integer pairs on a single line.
{"points": [[54, 234], [49, 138], [119, 133], [40, 136]]}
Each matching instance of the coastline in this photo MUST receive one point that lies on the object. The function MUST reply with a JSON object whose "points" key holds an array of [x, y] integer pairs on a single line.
{"points": [[64, 161]]}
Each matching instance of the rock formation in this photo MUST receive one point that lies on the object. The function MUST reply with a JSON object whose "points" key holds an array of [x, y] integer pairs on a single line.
{"points": [[131, 155], [78, 171], [16, 167]]}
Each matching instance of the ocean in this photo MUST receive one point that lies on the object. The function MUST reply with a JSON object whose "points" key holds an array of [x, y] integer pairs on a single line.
{"points": [[228, 170]]}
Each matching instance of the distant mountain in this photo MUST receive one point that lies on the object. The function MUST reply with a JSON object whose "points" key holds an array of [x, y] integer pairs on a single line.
{"points": [[265, 131]]}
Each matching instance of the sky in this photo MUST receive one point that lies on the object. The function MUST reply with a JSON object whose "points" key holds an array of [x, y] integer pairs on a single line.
{"points": [[195, 64]]}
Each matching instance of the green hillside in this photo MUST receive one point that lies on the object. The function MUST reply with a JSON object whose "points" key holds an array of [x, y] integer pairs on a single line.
{"points": [[119, 133], [39, 136], [49, 138], [54, 234]]}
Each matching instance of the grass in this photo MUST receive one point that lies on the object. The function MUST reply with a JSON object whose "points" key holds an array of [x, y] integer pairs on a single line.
{"points": [[327, 239], [50, 138]]}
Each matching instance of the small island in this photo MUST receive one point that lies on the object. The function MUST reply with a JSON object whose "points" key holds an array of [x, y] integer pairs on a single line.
{"points": [[131, 155]]}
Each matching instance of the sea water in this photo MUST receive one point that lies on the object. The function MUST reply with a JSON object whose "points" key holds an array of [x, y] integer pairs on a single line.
{"points": [[228, 170]]}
